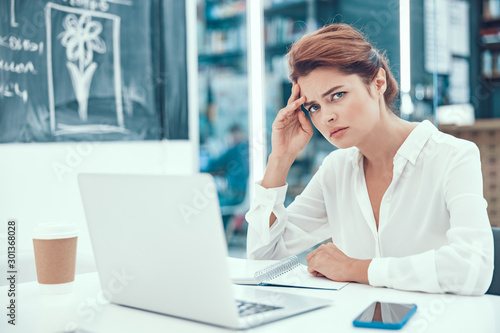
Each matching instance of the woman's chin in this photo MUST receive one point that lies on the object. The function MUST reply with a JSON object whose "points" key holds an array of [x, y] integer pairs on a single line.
{"points": [[339, 144]]}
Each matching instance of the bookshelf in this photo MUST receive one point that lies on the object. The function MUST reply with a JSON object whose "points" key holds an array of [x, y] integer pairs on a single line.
{"points": [[222, 27], [223, 77], [284, 23], [222, 49], [489, 48], [489, 39]]}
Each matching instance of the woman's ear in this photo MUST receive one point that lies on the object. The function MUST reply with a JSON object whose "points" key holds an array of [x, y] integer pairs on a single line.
{"points": [[380, 81]]}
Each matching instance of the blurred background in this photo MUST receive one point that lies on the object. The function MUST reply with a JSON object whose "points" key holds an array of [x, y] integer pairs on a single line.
{"points": [[443, 53], [183, 86]]}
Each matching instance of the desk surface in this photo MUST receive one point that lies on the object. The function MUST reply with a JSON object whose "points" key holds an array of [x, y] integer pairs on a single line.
{"points": [[86, 307]]}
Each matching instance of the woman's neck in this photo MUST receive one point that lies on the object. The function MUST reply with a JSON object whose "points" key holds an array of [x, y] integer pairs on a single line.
{"points": [[382, 143]]}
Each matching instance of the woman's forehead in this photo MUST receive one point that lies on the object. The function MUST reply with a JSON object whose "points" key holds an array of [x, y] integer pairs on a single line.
{"points": [[328, 74], [325, 79]]}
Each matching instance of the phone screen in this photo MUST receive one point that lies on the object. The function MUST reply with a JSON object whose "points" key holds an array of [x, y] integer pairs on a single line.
{"points": [[386, 313]]}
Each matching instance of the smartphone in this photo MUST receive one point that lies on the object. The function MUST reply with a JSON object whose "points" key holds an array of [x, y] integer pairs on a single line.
{"points": [[385, 315]]}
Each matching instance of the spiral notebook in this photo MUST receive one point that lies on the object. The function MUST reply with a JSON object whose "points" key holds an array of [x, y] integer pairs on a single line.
{"points": [[288, 272]]}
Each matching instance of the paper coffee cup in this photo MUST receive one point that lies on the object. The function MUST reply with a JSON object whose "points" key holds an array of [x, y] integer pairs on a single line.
{"points": [[55, 256]]}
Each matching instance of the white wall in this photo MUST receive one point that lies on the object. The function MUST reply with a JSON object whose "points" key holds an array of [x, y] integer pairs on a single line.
{"points": [[38, 181]]}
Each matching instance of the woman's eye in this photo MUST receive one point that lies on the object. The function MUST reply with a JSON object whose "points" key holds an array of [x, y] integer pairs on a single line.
{"points": [[338, 95], [313, 108]]}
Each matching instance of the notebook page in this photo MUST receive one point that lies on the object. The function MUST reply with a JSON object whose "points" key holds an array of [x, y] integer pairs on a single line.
{"points": [[241, 271], [300, 277]]}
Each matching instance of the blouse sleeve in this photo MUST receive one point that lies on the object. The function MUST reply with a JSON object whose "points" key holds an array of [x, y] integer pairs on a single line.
{"points": [[298, 227], [465, 264]]}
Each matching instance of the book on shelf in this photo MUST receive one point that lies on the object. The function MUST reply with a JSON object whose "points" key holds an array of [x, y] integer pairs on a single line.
{"points": [[490, 35]]}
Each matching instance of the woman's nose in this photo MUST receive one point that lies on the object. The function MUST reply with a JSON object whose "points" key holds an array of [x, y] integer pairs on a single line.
{"points": [[328, 117]]}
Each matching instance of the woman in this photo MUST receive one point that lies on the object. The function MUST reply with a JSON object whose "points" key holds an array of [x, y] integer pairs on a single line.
{"points": [[401, 201]]}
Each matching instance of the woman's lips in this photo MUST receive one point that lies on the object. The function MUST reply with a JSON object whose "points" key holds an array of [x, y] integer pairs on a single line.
{"points": [[337, 132]]}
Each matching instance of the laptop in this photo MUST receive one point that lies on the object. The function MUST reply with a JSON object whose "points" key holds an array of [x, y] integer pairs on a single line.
{"points": [[159, 245]]}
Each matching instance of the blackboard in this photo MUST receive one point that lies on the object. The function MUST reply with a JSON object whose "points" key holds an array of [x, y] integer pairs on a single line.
{"points": [[87, 70]]}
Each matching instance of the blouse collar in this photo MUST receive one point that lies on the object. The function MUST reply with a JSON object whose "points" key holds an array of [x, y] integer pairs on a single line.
{"points": [[411, 147]]}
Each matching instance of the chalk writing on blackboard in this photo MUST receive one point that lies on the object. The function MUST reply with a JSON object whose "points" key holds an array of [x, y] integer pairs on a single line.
{"points": [[19, 68], [17, 44], [80, 39], [13, 22], [92, 70], [12, 89], [101, 5]]}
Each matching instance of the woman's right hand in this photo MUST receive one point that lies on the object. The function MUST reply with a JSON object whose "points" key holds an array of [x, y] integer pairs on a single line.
{"points": [[292, 130]]}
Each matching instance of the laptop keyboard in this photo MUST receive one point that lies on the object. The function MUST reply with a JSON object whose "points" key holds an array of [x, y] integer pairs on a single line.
{"points": [[248, 308]]}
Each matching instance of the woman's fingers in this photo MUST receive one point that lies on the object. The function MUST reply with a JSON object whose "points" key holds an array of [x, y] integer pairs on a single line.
{"points": [[305, 123], [311, 254], [295, 93], [290, 109], [329, 261], [314, 263], [293, 106]]}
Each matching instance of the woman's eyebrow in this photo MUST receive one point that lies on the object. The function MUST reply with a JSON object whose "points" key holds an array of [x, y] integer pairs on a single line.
{"points": [[326, 93], [308, 103], [329, 91]]}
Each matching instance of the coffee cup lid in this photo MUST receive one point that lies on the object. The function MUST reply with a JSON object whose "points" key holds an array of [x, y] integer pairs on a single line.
{"points": [[55, 231]]}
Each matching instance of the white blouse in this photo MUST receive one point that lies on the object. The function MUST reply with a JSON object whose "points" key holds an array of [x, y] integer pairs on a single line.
{"points": [[434, 234]]}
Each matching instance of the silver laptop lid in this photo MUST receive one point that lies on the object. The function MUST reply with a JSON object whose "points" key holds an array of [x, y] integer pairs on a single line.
{"points": [[159, 244]]}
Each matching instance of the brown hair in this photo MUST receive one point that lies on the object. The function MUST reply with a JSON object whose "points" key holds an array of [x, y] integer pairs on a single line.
{"points": [[342, 47]]}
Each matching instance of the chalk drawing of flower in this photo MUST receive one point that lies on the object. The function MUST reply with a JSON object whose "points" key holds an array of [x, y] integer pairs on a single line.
{"points": [[81, 39]]}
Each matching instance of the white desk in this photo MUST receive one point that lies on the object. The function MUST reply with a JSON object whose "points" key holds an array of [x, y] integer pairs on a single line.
{"points": [[85, 306]]}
